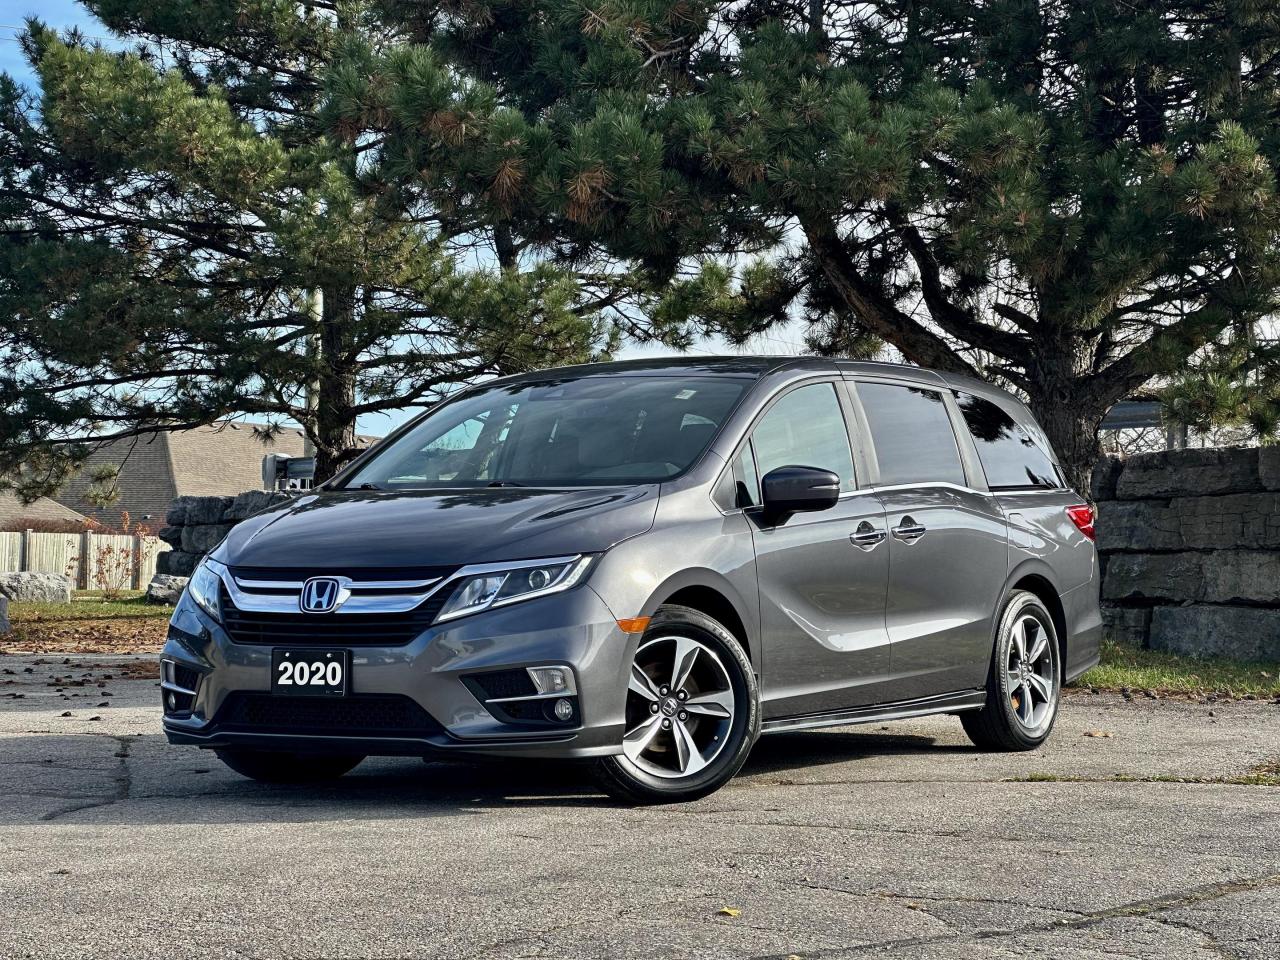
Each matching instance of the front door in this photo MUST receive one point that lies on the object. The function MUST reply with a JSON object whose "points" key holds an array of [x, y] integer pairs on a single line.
{"points": [[948, 543], [822, 575]]}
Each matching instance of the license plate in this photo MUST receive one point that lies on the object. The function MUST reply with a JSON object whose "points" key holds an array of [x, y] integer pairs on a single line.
{"points": [[310, 673]]}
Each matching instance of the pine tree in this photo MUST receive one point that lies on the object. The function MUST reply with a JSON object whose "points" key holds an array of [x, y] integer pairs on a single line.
{"points": [[1072, 198], [201, 226]]}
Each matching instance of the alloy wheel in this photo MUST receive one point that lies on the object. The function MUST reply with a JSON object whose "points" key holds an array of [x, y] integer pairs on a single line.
{"points": [[1031, 673], [680, 707]]}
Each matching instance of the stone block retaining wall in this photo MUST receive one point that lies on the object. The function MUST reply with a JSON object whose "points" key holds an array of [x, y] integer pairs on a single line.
{"points": [[195, 525], [1190, 548]]}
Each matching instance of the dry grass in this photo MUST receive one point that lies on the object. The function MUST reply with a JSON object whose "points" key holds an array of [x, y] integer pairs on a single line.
{"points": [[89, 624]]}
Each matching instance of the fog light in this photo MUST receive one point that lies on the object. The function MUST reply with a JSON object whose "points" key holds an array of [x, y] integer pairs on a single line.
{"points": [[548, 680], [564, 710], [173, 702]]}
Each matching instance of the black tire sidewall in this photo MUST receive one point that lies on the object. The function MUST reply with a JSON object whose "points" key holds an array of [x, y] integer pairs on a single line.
{"points": [[639, 784], [1022, 603]]}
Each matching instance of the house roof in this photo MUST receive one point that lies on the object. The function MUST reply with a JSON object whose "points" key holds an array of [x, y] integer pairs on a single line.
{"points": [[221, 459], [16, 515]]}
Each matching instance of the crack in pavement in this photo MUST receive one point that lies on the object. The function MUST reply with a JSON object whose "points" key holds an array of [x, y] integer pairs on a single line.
{"points": [[965, 834], [934, 898], [122, 782], [1146, 908]]}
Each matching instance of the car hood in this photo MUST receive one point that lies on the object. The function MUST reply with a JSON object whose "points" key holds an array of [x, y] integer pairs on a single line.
{"points": [[357, 529]]}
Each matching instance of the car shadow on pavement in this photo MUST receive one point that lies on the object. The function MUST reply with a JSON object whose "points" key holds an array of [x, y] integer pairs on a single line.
{"points": [[141, 779]]}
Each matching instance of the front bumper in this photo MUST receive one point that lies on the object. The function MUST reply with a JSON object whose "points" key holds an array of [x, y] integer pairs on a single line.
{"points": [[425, 677]]}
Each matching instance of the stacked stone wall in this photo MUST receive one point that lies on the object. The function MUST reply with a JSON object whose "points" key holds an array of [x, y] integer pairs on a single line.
{"points": [[195, 525], [1190, 548]]}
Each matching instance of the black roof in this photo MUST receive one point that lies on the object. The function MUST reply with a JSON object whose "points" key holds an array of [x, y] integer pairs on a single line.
{"points": [[744, 366]]}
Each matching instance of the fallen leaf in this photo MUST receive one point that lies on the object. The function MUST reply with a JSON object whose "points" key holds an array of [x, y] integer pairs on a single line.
{"points": [[1099, 733], [728, 912]]}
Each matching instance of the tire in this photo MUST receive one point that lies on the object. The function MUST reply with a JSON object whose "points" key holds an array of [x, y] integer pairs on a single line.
{"points": [[1010, 721], [272, 767], [684, 728]]}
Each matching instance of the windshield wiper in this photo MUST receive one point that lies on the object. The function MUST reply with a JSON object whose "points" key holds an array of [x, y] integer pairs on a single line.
{"points": [[505, 483], [368, 486]]}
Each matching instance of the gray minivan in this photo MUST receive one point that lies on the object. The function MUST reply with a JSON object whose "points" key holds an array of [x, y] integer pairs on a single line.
{"points": [[648, 564]]}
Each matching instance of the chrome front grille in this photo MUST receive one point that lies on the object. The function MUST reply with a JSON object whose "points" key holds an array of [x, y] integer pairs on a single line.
{"points": [[377, 591], [386, 607]]}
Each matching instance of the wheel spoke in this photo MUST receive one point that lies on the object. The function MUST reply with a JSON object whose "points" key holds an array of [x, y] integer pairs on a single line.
{"points": [[686, 653], [1020, 642], [717, 703], [1014, 680], [1041, 686], [641, 684], [1038, 650], [687, 753], [1028, 704], [639, 737]]}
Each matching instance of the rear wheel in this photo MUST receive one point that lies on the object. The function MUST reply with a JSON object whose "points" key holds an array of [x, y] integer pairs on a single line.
{"points": [[1024, 682], [692, 712], [275, 767]]}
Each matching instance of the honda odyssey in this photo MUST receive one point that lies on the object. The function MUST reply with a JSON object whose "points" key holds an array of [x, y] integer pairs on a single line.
{"points": [[648, 565]]}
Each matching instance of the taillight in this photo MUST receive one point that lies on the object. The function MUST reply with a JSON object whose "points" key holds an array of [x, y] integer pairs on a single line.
{"points": [[1083, 517]]}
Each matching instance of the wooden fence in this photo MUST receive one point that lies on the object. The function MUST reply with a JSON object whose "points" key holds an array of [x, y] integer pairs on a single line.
{"points": [[94, 560]]}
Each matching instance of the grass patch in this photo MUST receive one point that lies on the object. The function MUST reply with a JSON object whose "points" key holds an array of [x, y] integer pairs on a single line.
{"points": [[88, 605], [1124, 667], [88, 624]]}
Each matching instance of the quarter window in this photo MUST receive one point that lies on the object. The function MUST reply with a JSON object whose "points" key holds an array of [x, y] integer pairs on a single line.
{"points": [[1010, 455], [912, 434], [805, 429]]}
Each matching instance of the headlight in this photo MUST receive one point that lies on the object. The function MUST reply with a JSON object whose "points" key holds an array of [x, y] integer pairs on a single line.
{"points": [[203, 587], [497, 584]]}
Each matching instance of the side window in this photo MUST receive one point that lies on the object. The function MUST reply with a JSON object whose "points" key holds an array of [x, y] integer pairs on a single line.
{"points": [[912, 434], [746, 481], [805, 429], [739, 485], [1010, 456]]}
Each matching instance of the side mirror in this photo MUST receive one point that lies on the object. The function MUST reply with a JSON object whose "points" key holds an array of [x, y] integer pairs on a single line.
{"points": [[792, 489]]}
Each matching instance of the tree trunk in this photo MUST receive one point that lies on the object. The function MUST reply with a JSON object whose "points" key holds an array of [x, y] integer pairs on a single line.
{"points": [[334, 429], [1071, 423]]}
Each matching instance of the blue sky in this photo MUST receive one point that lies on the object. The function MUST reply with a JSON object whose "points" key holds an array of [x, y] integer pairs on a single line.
{"points": [[56, 13], [68, 13]]}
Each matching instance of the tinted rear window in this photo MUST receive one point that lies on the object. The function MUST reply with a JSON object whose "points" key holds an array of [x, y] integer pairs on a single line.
{"points": [[1010, 455], [912, 434]]}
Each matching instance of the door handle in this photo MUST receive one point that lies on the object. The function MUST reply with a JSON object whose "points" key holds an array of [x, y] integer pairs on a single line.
{"points": [[908, 531], [866, 536]]}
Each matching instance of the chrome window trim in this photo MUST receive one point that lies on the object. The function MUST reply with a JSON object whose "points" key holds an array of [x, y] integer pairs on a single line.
{"points": [[925, 484]]}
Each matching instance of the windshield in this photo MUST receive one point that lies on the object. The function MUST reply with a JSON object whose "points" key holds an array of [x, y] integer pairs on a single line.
{"points": [[593, 431]]}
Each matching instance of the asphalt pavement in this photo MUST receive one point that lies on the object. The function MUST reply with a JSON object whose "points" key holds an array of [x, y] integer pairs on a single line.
{"points": [[1134, 833]]}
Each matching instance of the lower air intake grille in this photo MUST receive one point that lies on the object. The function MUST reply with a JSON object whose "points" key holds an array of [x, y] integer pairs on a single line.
{"points": [[365, 715], [501, 683], [185, 677]]}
